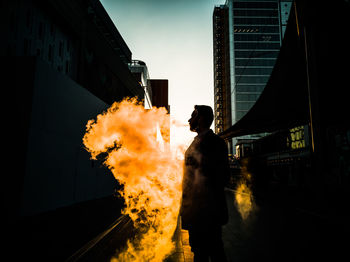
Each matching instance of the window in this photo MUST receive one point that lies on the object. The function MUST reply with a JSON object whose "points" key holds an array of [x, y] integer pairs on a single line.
{"points": [[240, 114], [253, 71], [29, 20], [256, 21], [246, 98], [52, 29], [255, 12], [50, 53], [60, 49], [257, 45], [256, 29], [252, 79], [41, 30], [244, 105], [250, 88], [67, 66], [257, 5], [25, 46], [254, 62], [256, 53], [256, 37]]}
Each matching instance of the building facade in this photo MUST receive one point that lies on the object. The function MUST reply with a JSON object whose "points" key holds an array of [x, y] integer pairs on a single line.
{"points": [[140, 72], [160, 98], [222, 90], [252, 36], [78, 39], [62, 64], [160, 93]]}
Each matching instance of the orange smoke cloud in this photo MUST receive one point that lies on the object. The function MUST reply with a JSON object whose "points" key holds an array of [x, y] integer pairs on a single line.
{"points": [[244, 199], [136, 141]]}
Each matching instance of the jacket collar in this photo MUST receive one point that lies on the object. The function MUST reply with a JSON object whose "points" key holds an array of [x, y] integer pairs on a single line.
{"points": [[203, 133]]}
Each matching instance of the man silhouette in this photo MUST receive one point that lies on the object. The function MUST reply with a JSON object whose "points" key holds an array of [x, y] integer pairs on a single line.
{"points": [[206, 170]]}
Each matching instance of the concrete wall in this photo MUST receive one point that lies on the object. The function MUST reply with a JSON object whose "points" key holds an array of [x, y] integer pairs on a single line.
{"points": [[58, 169]]}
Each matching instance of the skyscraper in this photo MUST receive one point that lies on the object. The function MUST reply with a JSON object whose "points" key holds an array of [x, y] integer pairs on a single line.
{"points": [[247, 36], [222, 90]]}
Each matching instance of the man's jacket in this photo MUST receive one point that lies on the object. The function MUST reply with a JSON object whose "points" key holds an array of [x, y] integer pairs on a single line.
{"points": [[206, 171]]}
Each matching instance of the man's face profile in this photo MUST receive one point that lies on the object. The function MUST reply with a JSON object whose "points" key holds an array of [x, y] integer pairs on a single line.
{"points": [[194, 121]]}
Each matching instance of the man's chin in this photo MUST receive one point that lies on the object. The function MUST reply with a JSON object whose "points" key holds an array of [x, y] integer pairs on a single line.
{"points": [[193, 129]]}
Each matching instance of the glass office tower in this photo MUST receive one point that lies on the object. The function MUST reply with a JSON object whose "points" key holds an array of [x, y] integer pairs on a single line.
{"points": [[255, 32]]}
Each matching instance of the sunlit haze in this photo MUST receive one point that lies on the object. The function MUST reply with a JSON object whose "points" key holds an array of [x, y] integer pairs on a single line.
{"points": [[174, 39]]}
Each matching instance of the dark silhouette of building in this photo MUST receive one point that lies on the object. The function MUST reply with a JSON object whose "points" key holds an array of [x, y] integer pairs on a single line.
{"points": [[62, 64], [160, 93], [76, 38], [306, 158], [222, 90], [303, 105]]}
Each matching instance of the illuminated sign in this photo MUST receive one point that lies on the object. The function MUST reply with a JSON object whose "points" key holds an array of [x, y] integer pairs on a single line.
{"points": [[296, 138]]}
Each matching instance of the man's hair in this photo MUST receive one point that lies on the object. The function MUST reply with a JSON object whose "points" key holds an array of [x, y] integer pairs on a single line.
{"points": [[206, 112]]}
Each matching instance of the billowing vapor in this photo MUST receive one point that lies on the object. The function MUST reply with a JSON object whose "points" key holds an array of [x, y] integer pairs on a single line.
{"points": [[136, 144], [243, 195]]}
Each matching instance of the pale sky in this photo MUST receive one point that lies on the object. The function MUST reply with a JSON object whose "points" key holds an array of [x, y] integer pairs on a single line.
{"points": [[174, 38]]}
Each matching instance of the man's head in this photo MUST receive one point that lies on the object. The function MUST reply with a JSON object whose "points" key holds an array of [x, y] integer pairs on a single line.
{"points": [[201, 118]]}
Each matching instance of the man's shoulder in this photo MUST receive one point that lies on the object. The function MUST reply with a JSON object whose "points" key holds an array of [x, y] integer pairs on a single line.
{"points": [[211, 136]]}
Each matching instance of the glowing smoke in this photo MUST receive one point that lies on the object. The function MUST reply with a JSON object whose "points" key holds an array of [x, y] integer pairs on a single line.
{"points": [[136, 142], [243, 194]]}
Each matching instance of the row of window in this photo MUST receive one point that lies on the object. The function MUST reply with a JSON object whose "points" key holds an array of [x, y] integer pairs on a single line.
{"points": [[256, 53], [250, 45], [244, 105], [35, 35], [218, 97], [246, 28], [256, 37], [257, 45], [250, 88], [255, 12], [246, 98], [256, 21], [45, 29], [46, 53], [219, 122], [254, 62], [253, 71], [252, 79], [255, 5], [240, 114], [218, 90]]}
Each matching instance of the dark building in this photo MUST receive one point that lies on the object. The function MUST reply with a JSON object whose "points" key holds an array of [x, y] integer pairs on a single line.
{"points": [[160, 98], [160, 93], [76, 38], [303, 106], [222, 91], [62, 64], [307, 154]]}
